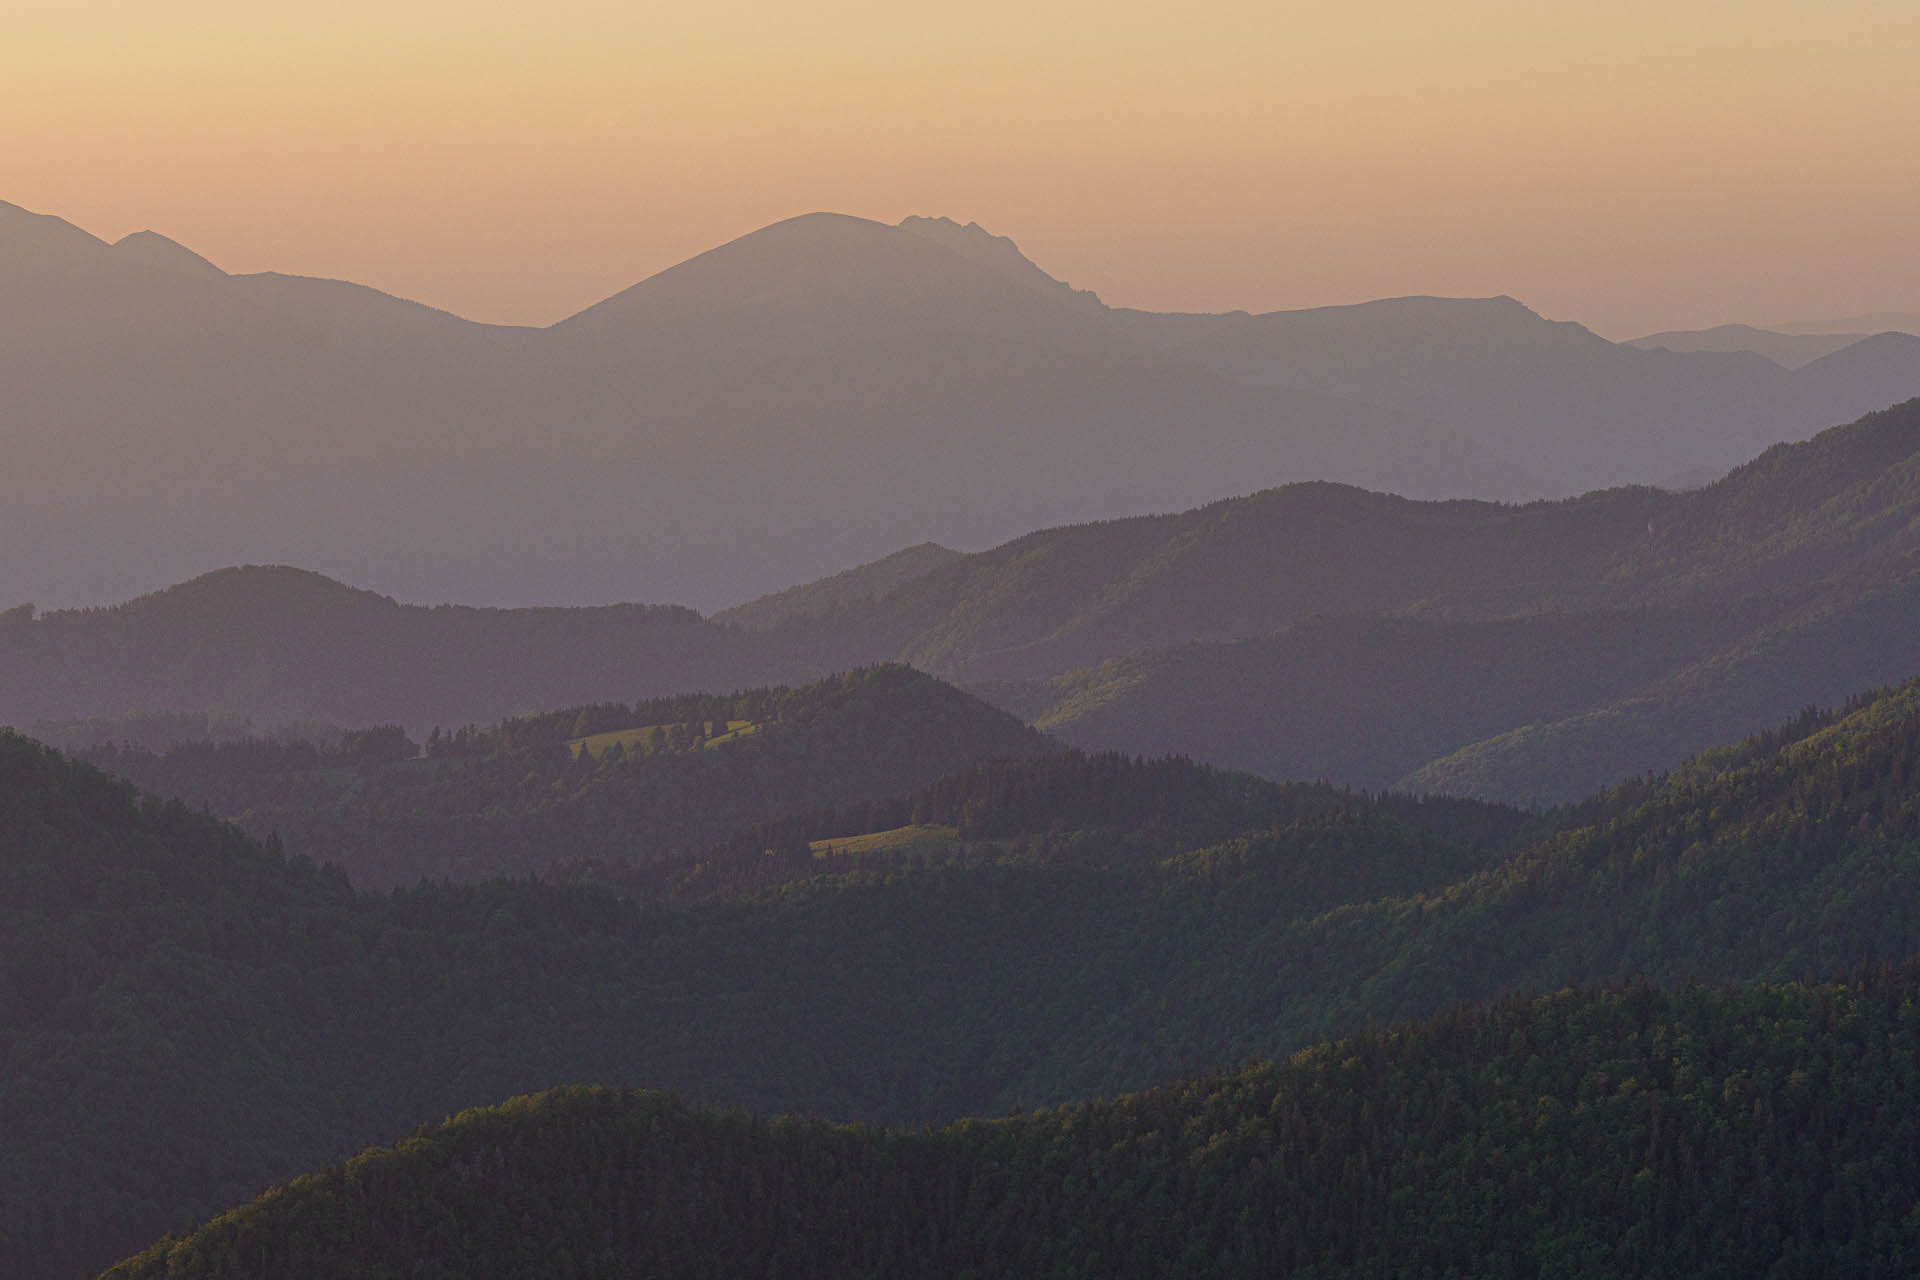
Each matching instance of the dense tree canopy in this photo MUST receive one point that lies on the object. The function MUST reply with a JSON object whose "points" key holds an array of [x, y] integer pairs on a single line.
{"points": [[608, 781], [187, 1015], [1764, 1131]]}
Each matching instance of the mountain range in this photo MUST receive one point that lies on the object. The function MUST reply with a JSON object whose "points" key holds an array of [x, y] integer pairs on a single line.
{"points": [[1412, 788], [1524, 653], [1788, 350], [813, 395]]}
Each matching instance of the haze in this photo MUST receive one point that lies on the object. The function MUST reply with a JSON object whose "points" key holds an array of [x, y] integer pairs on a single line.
{"points": [[1635, 166]]}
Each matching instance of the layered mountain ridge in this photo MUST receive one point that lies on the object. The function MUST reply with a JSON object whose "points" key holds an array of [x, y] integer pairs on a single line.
{"points": [[812, 395], [1314, 631]]}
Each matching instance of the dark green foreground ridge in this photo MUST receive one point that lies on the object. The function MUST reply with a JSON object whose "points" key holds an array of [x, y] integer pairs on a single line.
{"points": [[1767, 1130]]}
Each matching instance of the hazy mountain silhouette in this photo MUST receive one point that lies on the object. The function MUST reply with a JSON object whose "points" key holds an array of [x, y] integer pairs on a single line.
{"points": [[809, 396], [32, 242], [1873, 322], [1554, 397], [1864, 375], [857, 586], [277, 645], [1787, 583], [1788, 350], [1065, 598], [151, 249], [1311, 631]]}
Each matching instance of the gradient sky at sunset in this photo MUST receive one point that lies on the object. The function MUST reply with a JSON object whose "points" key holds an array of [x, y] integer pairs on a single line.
{"points": [[1633, 165]]}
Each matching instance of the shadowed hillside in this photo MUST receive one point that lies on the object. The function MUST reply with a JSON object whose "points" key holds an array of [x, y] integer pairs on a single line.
{"points": [[605, 782], [1788, 582], [857, 586], [192, 1015], [1525, 653], [1710, 1133]]}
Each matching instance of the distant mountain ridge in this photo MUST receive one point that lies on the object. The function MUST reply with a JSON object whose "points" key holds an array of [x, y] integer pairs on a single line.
{"points": [[1785, 583], [1873, 322], [279, 645], [860, 585], [1788, 350], [1527, 653], [812, 395]]}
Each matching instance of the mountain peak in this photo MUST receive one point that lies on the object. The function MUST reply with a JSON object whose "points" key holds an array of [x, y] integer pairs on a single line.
{"points": [[151, 249], [40, 240], [980, 246], [838, 263]]}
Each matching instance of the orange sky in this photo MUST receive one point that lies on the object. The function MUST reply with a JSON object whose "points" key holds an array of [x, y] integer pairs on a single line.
{"points": [[1632, 165]]}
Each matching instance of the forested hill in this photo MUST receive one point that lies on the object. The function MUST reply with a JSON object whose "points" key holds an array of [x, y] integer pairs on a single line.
{"points": [[188, 1015], [857, 586], [1790, 582], [616, 782], [1369, 700], [276, 645], [1760, 1131], [1062, 598], [1105, 811]]}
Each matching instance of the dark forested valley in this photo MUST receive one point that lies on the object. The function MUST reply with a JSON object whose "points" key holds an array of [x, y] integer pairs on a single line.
{"points": [[192, 1014]]}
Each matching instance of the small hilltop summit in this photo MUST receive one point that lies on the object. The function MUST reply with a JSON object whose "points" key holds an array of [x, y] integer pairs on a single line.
{"points": [[151, 249]]}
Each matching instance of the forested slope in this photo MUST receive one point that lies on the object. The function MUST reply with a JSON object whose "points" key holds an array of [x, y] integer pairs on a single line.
{"points": [[190, 1015], [1838, 640], [1790, 581], [857, 586], [1064, 598], [1367, 700], [608, 781], [1745, 1132]]}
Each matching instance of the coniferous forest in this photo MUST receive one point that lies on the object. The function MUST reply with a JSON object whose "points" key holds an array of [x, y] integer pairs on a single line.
{"points": [[1721, 1083], [1764, 1130]]}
